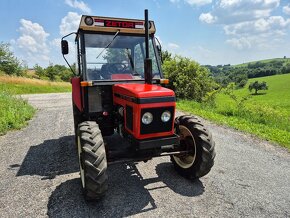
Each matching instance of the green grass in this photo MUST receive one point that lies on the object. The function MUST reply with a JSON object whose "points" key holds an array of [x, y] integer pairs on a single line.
{"points": [[266, 115], [14, 112], [33, 89]]}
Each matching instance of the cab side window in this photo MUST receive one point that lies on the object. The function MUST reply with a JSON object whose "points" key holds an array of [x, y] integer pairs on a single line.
{"points": [[139, 59]]}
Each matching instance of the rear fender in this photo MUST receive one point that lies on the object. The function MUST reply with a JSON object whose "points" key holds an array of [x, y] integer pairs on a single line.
{"points": [[76, 92]]}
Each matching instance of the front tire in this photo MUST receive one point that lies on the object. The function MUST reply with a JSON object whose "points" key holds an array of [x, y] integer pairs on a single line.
{"points": [[92, 160], [196, 139]]}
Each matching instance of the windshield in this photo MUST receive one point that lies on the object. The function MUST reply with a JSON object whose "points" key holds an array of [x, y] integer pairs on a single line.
{"points": [[123, 59]]}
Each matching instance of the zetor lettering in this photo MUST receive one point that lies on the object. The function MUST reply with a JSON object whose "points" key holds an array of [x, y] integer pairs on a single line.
{"points": [[110, 23]]}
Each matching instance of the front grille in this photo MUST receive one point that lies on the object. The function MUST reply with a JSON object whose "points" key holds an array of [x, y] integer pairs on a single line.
{"points": [[157, 125], [129, 117]]}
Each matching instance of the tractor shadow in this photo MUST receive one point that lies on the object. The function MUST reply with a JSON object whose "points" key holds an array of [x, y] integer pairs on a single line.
{"points": [[51, 158], [127, 194]]}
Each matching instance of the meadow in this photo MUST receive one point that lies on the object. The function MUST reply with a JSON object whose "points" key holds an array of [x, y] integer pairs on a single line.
{"points": [[14, 111], [266, 115], [22, 85]]}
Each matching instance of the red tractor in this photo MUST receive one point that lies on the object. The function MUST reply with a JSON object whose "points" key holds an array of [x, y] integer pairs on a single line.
{"points": [[119, 89]]}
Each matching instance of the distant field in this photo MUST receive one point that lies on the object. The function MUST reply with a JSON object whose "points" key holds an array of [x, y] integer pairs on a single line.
{"points": [[21, 85], [277, 97], [266, 115], [285, 60]]}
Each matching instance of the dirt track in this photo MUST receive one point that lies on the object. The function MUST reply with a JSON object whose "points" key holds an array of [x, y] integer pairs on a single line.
{"points": [[39, 176]]}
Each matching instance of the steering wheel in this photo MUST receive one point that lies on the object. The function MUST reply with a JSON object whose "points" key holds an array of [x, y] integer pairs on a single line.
{"points": [[107, 70], [124, 67]]}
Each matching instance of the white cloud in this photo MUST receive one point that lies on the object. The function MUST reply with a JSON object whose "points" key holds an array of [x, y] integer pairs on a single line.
{"points": [[286, 9], [207, 18], [198, 2], [240, 43], [56, 42], [193, 2], [249, 24], [32, 43], [69, 23], [235, 11], [172, 46], [79, 5], [273, 23]]}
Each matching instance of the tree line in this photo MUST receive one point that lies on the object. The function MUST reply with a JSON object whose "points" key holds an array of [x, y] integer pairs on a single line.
{"points": [[188, 79], [239, 74], [11, 65]]}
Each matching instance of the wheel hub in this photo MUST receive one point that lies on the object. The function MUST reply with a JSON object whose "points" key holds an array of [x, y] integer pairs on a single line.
{"points": [[187, 141]]}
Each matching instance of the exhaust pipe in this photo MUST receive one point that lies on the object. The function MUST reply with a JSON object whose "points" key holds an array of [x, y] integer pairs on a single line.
{"points": [[147, 61]]}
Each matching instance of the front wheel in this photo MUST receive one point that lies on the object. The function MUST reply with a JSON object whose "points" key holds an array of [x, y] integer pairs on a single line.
{"points": [[197, 140], [92, 160]]}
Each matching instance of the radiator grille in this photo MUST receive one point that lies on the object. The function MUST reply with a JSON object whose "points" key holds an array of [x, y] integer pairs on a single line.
{"points": [[157, 125], [129, 117]]}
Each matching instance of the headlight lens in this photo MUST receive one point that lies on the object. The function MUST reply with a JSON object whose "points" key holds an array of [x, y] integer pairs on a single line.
{"points": [[147, 118], [89, 21], [165, 117]]}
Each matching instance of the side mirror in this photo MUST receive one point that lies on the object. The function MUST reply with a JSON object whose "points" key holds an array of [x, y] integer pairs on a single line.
{"points": [[64, 47]]}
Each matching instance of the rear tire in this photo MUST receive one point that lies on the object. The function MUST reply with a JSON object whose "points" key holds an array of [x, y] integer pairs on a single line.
{"points": [[195, 138], [92, 160]]}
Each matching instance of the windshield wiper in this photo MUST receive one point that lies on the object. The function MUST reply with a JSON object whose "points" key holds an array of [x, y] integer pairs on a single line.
{"points": [[108, 44]]}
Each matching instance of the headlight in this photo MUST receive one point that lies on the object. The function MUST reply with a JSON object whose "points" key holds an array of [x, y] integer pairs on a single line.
{"points": [[89, 21], [147, 118], [165, 117]]}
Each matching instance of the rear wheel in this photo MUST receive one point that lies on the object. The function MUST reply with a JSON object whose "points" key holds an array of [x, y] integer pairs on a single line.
{"points": [[196, 139], [92, 160]]}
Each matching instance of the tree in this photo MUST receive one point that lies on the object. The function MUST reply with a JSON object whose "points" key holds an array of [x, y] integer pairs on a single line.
{"points": [[51, 73], [258, 86], [187, 78], [166, 55], [8, 63], [39, 71]]}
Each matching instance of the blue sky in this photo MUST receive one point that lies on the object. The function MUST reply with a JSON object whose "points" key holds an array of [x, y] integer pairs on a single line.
{"points": [[208, 31]]}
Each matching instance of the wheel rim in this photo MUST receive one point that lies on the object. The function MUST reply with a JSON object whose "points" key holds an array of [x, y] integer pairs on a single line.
{"points": [[82, 172], [186, 138]]}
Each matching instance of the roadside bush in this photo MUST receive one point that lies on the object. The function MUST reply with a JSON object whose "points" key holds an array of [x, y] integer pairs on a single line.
{"points": [[187, 78], [14, 112], [239, 100], [210, 98]]}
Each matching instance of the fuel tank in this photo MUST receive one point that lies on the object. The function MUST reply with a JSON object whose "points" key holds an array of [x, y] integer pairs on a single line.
{"points": [[138, 99]]}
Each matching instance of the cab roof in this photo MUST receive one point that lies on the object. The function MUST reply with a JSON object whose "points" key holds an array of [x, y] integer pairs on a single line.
{"points": [[110, 24]]}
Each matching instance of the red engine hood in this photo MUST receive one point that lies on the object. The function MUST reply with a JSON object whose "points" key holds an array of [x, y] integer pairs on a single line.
{"points": [[142, 90]]}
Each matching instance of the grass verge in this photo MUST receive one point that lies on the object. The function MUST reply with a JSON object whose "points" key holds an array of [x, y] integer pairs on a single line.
{"points": [[14, 112], [265, 130]]}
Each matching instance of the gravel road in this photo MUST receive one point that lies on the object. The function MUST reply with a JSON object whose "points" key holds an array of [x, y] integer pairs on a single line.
{"points": [[39, 175]]}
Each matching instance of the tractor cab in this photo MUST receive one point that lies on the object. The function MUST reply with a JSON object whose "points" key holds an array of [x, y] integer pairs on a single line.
{"points": [[116, 56], [113, 50], [118, 94]]}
